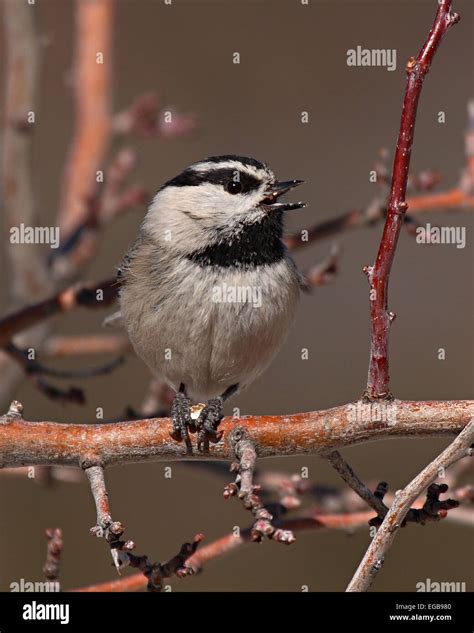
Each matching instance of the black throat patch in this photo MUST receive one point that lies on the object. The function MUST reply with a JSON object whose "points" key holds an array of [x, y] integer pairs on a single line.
{"points": [[258, 244]]}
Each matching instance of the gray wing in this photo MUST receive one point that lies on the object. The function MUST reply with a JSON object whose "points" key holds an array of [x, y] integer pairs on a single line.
{"points": [[123, 270], [126, 263]]}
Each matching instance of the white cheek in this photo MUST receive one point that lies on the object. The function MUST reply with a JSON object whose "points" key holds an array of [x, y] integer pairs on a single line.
{"points": [[185, 216]]}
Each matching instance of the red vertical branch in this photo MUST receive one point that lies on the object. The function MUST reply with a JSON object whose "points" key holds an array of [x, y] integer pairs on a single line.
{"points": [[381, 318]]}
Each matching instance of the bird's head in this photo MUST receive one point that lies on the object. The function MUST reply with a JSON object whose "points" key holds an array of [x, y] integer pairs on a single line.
{"points": [[217, 199]]}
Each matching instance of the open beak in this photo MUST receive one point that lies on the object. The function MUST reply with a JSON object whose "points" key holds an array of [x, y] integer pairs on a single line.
{"points": [[277, 189]]}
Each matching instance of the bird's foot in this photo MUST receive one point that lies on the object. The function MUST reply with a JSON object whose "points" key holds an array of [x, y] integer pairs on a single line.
{"points": [[182, 421], [208, 423]]}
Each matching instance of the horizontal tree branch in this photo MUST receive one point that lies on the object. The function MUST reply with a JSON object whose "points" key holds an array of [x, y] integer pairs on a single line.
{"points": [[32, 443]]}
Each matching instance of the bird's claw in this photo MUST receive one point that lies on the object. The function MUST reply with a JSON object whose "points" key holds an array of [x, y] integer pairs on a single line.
{"points": [[182, 421], [205, 425], [208, 423]]}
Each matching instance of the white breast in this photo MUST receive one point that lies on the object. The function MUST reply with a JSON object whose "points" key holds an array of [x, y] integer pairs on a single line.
{"points": [[211, 328]]}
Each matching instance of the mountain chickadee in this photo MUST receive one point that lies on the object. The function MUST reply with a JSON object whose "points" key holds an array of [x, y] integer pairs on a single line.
{"points": [[208, 290]]}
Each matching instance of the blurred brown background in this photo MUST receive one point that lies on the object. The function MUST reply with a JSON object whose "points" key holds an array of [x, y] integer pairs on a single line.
{"points": [[293, 59]]}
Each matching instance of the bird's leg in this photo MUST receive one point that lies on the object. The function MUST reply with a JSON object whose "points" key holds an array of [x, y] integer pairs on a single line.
{"points": [[209, 419], [181, 415]]}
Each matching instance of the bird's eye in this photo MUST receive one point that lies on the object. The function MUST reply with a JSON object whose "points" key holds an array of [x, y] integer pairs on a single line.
{"points": [[234, 187]]}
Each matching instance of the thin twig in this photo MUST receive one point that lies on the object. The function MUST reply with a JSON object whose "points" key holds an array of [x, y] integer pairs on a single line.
{"points": [[105, 526], [310, 520], [121, 550], [345, 471], [430, 510], [246, 490], [80, 295], [404, 499], [155, 573]]}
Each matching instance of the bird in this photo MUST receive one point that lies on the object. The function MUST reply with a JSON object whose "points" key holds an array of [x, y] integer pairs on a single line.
{"points": [[208, 291]]}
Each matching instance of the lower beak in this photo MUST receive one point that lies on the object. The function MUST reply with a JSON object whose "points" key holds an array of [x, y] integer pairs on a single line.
{"points": [[277, 189]]}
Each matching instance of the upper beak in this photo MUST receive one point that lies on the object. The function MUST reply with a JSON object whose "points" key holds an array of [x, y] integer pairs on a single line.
{"points": [[277, 189]]}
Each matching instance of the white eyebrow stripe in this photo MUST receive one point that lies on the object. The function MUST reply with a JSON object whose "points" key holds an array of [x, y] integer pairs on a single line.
{"points": [[232, 164]]}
